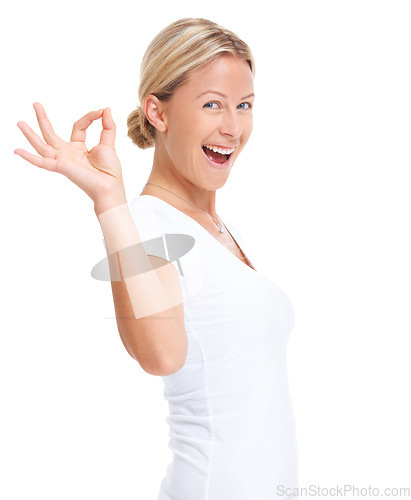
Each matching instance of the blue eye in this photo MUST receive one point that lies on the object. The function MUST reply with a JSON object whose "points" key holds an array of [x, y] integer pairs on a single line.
{"points": [[212, 102], [249, 105], [215, 102]]}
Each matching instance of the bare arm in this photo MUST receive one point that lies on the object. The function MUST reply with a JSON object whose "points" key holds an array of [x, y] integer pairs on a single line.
{"points": [[149, 304]]}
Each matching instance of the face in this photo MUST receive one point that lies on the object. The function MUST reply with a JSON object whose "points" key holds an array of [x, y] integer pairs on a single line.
{"points": [[214, 108]]}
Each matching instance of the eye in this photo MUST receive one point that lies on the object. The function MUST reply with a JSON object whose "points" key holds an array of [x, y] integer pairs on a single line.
{"points": [[211, 102], [247, 103]]}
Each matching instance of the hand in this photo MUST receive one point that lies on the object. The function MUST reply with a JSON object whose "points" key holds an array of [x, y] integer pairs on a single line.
{"points": [[97, 172]]}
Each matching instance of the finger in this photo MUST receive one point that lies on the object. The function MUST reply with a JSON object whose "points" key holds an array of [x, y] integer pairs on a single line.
{"points": [[46, 163], [45, 126], [41, 148], [108, 134], [80, 127]]}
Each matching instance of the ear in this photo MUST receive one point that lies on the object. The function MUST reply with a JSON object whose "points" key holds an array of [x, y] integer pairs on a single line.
{"points": [[154, 110]]}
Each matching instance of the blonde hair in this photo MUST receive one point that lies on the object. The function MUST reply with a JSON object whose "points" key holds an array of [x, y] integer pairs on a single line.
{"points": [[171, 57]]}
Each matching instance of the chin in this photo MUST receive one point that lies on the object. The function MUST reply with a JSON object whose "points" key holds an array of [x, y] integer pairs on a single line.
{"points": [[208, 183], [217, 184]]}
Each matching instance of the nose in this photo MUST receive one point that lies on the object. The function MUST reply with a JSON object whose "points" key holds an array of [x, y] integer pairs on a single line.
{"points": [[231, 124]]}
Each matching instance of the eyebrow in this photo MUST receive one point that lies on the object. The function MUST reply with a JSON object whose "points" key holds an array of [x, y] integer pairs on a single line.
{"points": [[223, 95]]}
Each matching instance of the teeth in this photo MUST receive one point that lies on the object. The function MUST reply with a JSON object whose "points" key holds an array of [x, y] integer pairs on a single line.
{"points": [[219, 150]]}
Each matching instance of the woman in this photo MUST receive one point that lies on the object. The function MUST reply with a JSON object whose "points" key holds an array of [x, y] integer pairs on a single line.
{"points": [[205, 320]]}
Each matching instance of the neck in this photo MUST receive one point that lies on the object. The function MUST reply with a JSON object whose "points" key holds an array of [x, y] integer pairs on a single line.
{"points": [[166, 175]]}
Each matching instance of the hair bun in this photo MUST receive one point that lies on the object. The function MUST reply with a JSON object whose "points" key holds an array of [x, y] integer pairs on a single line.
{"points": [[140, 129]]}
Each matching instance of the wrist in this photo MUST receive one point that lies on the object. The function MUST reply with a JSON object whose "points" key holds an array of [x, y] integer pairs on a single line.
{"points": [[109, 201]]}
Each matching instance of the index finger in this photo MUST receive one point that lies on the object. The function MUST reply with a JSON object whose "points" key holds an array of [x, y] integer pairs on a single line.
{"points": [[80, 127]]}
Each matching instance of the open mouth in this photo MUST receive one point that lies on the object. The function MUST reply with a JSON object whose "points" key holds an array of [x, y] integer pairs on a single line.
{"points": [[215, 157]]}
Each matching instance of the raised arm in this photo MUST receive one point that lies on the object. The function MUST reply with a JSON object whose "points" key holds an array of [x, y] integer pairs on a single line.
{"points": [[148, 304]]}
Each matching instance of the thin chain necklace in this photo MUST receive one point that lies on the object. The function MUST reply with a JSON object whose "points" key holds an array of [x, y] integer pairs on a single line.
{"points": [[218, 222]]}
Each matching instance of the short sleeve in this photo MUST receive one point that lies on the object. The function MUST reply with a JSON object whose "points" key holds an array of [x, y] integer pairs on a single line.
{"points": [[165, 236], [152, 229]]}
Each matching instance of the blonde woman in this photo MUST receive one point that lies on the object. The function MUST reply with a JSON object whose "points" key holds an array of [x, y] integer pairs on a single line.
{"points": [[190, 306]]}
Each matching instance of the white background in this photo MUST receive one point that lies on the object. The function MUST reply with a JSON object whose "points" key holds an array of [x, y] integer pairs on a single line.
{"points": [[321, 194]]}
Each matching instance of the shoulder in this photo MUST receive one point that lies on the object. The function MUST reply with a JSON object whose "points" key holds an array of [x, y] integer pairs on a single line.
{"points": [[153, 217], [142, 204], [166, 234]]}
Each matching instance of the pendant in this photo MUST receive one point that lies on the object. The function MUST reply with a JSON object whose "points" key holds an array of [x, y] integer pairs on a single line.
{"points": [[220, 224]]}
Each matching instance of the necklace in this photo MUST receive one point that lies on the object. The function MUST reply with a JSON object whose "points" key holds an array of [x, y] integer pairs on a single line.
{"points": [[218, 222]]}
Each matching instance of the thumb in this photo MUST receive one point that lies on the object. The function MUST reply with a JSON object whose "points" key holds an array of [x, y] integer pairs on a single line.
{"points": [[108, 134]]}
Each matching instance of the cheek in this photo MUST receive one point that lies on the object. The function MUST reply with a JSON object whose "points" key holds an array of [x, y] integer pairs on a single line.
{"points": [[178, 137], [247, 130], [184, 146], [248, 123], [247, 127]]}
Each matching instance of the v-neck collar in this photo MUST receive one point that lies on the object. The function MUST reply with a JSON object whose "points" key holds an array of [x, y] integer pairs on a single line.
{"points": [[208, 232]]}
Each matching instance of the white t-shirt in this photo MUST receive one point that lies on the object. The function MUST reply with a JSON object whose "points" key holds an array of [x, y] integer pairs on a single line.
{"points": [[232, 429]]}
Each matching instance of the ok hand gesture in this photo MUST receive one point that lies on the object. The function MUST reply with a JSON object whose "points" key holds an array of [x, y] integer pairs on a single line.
{"points": [[97, 172]]}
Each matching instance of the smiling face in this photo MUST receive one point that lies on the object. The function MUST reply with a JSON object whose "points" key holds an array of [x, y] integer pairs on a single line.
{"points": [[213, 107]]}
